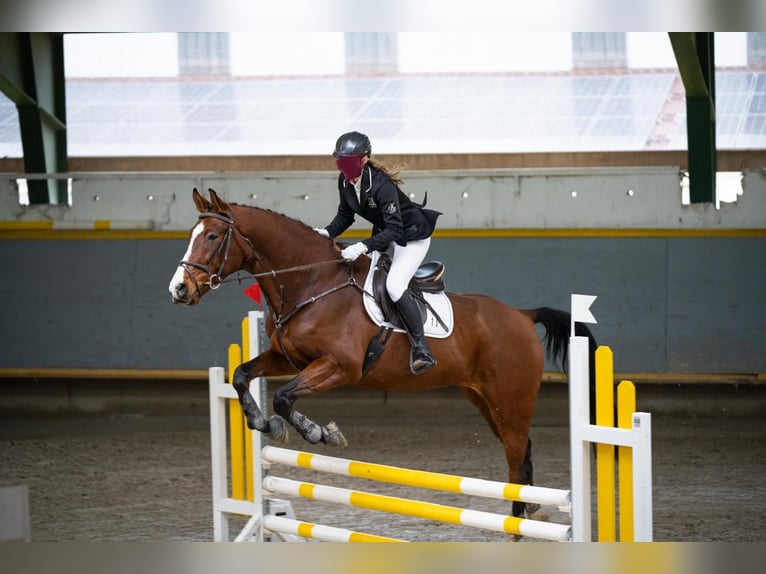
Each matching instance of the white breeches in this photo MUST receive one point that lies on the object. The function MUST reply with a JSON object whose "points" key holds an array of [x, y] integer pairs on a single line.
{"points": [[404, 262]]}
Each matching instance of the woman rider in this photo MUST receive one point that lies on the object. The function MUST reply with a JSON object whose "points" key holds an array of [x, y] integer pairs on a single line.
{"points": [[367, 188]]}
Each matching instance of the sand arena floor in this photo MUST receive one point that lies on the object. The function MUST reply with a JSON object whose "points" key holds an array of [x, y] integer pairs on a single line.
{"points": [[139, 477]]}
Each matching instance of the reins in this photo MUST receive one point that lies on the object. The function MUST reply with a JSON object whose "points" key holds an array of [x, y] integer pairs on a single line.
{"points": [[273, 273]]}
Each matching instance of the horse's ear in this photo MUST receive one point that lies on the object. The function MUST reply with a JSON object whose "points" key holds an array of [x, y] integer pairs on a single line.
{"points": [[202, 204], [218, 204]]}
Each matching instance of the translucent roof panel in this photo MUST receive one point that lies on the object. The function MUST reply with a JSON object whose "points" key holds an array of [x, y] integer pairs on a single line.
{"points": [[436, 113]]}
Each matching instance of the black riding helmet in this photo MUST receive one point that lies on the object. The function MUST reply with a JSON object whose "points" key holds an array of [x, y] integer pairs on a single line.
{"points": [[352, 143]]}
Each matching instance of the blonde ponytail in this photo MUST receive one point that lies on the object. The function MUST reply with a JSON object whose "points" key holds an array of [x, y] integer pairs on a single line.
{"points": [[393, 173]]}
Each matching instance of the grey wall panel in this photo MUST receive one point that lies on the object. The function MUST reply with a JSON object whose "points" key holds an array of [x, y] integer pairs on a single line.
{"points": [[164, 335], [105, 304], [665, 304], [627, 275], [717, 304]]}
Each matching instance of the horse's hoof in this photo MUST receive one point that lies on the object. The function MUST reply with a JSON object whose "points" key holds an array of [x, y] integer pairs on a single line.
{"points": [[515, 537], [278, 429], [332, 436], [538, 515]]}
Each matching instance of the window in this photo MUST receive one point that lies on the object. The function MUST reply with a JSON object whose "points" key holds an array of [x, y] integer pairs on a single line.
{"points": [[371, 53], [599, 50], [203, 53]]}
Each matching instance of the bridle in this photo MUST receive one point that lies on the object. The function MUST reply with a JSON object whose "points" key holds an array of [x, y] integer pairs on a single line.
{"points": [[214, 279]]}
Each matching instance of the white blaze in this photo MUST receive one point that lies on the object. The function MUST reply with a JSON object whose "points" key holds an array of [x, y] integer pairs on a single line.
{"points": [[178, 276]]}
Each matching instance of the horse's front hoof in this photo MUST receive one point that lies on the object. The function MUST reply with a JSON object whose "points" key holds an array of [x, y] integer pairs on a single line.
{"points": [[332, 436], [278, 429]]}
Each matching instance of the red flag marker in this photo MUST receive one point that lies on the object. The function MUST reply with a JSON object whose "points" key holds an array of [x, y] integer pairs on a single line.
{"points": [[254, 292]]}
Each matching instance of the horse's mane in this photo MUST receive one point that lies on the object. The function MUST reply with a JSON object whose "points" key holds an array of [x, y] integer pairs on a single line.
{"points": [[277, 213], [288, 219]]}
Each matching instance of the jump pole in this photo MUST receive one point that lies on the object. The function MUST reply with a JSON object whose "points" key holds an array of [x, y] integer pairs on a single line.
{"points": [[418, 478], [420, 509]]}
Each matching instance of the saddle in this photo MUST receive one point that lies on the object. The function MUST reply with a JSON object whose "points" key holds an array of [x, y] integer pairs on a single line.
{"points": [[429, 278]]}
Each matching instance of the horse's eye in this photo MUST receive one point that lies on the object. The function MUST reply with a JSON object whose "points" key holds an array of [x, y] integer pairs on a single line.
{"points": [[212, 236]]}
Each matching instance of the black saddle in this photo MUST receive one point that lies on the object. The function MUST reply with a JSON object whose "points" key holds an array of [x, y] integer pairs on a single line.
{"points": [[429, 278]]}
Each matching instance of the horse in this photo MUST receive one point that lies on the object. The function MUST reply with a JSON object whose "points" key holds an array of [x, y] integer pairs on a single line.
{"points": [[318, 331]]}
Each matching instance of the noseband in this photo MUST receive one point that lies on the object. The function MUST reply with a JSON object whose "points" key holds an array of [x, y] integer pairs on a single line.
{"points": [[214, 279]]}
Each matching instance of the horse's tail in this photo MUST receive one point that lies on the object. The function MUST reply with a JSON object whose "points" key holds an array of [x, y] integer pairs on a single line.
{"points": [[556, 341]]}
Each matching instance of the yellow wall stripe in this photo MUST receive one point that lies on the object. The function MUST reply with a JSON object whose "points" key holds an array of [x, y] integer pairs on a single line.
{"points": [[26, 225], [103, 229]]}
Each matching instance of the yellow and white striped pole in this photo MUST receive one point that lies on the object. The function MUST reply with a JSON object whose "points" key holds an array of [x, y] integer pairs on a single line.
{"points": [[417, 478], [320, 531], [419, 509]]}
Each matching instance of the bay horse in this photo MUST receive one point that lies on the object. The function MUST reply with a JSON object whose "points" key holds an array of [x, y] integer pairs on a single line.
{"points": [[318, 331]]}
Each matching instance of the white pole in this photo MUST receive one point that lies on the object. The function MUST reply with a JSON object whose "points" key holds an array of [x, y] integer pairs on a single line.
{"points": [[258, 390], [642, 478], [218, 454], [579, 418]]}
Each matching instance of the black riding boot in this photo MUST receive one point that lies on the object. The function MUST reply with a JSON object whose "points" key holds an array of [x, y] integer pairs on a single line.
{"points": [[420, 356]]}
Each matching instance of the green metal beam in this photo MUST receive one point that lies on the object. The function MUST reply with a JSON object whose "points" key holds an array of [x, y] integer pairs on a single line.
{"points": [[32, 76], [695, 54]]}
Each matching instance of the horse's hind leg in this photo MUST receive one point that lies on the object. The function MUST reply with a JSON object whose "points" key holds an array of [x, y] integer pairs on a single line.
{"points": [[510, 424], [531, 509]]}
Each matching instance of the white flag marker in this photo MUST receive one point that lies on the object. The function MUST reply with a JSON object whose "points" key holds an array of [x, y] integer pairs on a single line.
{"points": [[581, 310]]}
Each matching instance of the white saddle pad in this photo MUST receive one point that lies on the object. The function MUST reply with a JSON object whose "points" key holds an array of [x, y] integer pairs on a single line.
{"points": [[438, 301]]}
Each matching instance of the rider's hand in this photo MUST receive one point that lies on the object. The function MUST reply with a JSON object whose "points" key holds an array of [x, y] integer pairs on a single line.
{"points": [[353, 251], [322, 231]]}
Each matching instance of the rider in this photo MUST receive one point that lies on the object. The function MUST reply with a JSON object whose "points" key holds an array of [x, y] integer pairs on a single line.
{"points": [[369, 189]]}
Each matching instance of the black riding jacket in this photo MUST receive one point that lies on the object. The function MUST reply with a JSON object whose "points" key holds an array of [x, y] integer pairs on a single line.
{"points": [[395, 218]]}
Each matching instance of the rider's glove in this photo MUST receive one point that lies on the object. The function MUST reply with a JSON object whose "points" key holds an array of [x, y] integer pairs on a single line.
{"points": [[322, 231], [353, 251]]}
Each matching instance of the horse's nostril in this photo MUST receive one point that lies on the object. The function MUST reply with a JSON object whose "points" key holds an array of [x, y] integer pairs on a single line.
{"points": [[181, 290]]}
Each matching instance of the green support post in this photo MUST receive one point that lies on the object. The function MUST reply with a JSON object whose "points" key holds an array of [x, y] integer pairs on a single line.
{"points": [[695, 55], [32, 76]]}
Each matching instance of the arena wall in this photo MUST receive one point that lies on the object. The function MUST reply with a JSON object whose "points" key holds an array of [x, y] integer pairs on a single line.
{"points": [[680, 287]]}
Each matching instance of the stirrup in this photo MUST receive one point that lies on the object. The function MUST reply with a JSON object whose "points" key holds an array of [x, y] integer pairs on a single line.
{"points": [[428, 362]]}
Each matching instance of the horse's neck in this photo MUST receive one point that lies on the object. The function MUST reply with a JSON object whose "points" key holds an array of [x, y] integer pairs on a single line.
{"points": [[280, 244]]}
